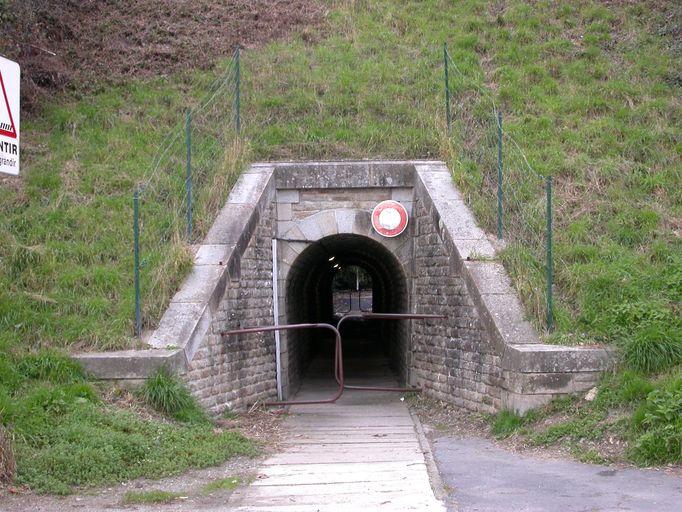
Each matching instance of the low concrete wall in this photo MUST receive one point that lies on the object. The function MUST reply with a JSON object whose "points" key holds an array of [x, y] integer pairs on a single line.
{"points": [[485, 356]]}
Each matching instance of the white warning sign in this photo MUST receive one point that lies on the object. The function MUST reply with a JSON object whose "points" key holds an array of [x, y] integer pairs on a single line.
{"points": [[10, 75]]}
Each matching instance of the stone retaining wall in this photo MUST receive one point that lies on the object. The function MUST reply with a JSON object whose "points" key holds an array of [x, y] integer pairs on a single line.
{"points": [[233, 372], [453, 358]]}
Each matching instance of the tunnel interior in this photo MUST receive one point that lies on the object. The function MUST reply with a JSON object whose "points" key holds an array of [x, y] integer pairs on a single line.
{"points": [[320, 275]]}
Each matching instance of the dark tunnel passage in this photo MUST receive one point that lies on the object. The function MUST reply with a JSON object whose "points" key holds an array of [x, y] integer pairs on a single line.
{"points": [[370, 346]]}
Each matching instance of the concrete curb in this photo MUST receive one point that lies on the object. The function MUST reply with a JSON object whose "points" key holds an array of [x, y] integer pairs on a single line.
{"points": [[437, 484]]}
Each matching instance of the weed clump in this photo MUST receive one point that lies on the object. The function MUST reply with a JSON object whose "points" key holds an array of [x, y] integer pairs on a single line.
{"points": [[653, 349], [506, 422], [146, 497], [229, 483], [51, 367], [167, 394], [659, 425]]}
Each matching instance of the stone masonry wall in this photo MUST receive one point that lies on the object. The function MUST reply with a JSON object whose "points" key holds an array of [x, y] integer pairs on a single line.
{"points": [[452, 359], [233, 372]]}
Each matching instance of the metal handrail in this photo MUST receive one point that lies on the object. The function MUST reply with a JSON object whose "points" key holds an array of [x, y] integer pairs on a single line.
{"points": [[338, 363], [376, 316]]}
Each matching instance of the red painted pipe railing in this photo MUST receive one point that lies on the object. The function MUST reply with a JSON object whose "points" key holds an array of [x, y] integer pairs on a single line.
{"points": [[338, 363], [376, 316]]}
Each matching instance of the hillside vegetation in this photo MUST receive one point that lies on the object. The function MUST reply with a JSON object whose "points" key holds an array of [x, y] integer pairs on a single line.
{"points": [[589, 89]]}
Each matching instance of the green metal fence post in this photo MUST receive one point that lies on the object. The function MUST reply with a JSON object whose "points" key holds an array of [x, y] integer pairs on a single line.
{"points": [[237, 99], [136, 250], [188, 179], [550, 269], [447, 88], [500, 197]]}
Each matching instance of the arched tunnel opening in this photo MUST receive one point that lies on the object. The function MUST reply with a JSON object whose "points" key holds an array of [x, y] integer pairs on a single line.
{"points": [[342, 274]]}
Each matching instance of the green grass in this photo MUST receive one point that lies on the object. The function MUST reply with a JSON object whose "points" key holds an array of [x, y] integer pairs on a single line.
{"points": [[642, 413], [229, 483], [147, 497], [590, 91], [505, 423], [65, 437], [167, 394]]}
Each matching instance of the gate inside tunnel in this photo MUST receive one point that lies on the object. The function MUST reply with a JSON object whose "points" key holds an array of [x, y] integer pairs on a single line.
{"points": [[373, 349]]}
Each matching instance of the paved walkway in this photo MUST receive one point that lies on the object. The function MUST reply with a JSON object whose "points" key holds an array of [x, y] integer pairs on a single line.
{"points": [[362, 453], [487, 478]]}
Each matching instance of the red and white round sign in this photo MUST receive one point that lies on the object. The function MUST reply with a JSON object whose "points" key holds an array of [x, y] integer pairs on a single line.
{"points": [[389, 218]]}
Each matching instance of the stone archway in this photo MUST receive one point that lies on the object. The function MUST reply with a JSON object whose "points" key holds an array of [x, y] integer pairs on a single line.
{"points": [[306, 274]]}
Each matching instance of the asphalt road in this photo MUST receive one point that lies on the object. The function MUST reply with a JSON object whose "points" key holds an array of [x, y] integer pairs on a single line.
{"points": [[486, 478]]}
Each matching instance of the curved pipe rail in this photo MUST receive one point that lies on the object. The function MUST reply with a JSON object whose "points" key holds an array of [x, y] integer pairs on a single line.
{"points": [[375, 316], [338, 364]]}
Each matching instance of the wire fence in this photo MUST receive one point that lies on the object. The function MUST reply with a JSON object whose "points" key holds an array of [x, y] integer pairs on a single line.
{"points": [[194, 167], [507, 195]]}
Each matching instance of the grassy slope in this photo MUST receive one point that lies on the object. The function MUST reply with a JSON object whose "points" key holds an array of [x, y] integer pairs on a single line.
{"points": [[65, 283], [592, 94], [588, 90]]}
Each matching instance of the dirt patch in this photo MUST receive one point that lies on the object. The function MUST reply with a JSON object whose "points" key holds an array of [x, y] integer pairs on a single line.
{"points": [[78, 44]]}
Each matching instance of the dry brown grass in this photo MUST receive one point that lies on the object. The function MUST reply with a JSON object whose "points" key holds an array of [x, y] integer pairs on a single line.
{"points": [[7, 462]]}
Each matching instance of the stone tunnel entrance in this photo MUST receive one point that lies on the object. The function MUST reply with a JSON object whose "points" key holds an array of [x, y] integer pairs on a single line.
{"points": [[267, 259], [376, 349]]}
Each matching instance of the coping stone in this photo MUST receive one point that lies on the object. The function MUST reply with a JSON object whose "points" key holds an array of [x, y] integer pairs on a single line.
{"points": [[131, 364], [213, 254], [248, 188], [200, 285], [344, 174], [543, 358], [489, 277], [288, 196], [474, 249], [504, 317], [403, 195], [228, 226], [179, 322]]}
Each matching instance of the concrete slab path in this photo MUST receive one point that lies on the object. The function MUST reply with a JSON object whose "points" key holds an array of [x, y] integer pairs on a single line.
{"points": [[362, 453]]}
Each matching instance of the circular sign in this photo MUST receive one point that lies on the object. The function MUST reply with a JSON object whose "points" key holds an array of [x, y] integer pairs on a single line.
{"points": [[389, 218]]}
